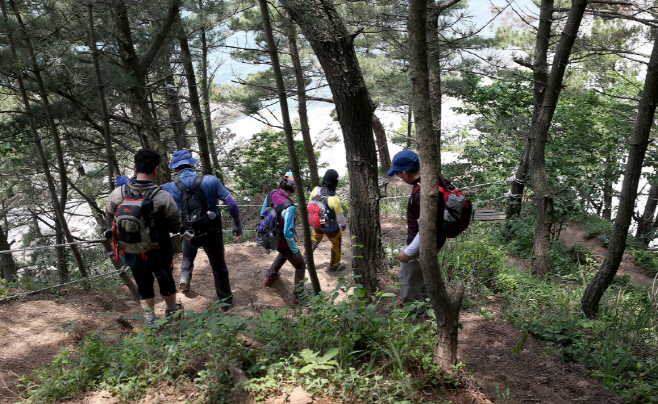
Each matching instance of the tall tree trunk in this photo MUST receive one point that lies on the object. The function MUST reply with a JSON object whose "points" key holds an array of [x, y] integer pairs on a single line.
{"points": [[172, 100], [107, 134], [637, 151], [445, 308], [290, 141], [137, 67], [62, 268], [514, 203], [195, 104], [205, 87], [539, 137], [58, 205], [434, 72], [7, 263], [301, 104], [607, 199], [409, 125], [324, 29], [646, 220], [382, 144]]}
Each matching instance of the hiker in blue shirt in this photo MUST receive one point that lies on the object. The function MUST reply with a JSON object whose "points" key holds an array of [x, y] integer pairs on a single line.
{"points": [[213, 243]]}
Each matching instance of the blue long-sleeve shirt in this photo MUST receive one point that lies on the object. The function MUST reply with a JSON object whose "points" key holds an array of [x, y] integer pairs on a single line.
{"points": [[212, 188]]}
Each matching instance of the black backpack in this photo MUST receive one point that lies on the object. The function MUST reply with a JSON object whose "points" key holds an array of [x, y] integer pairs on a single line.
{"points": [[133, 229], [194, 208], [268, 234]]}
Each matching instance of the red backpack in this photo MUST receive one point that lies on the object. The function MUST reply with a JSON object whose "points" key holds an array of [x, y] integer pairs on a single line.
{"points": [[455, 210], [318, 209]]}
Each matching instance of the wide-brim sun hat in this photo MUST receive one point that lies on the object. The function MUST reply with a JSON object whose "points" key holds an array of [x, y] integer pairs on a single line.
{"points": [[182, 157]]}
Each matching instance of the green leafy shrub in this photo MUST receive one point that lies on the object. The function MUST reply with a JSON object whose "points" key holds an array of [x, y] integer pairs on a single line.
{"points": [[645, 259], [596, 227]]}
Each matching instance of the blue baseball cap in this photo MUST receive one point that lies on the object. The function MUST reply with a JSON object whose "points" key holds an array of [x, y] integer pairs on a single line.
{"points": [[289, 178], [182, 157], [406, 160]]}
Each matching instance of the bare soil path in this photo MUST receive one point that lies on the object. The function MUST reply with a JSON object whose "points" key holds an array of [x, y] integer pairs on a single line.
{"points": [[32, 331]]}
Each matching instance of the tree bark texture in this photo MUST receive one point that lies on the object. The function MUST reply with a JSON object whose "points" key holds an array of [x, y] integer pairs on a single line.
{"points": [[7, 262], [324, 29], [540, 80], [632, 173], [382, 144], [172, 101], [205, 94], [136, 67], [301, 104], [539, 137], [290, 142], [644, 225], [193, 96], [445, 308], [434, 71]]}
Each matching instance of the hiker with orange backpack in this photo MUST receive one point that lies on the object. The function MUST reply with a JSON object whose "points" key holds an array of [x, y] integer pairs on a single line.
{"points": [[141, 217], [325, 214], [279, 201]]}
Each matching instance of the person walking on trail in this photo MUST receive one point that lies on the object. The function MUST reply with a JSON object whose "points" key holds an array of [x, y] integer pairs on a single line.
{"points": [[287, 248], [210, 237], [406, 166], [335, 223], [141, 217]]}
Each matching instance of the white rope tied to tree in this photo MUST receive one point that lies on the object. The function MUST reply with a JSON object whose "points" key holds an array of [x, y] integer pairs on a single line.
{"points": [[99, 240], [118, 271]]}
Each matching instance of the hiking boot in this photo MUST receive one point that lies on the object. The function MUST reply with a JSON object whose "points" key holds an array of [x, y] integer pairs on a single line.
{"points": [[269, 279], [177, 307], [151, 318], [184, 285], [340, 267]]}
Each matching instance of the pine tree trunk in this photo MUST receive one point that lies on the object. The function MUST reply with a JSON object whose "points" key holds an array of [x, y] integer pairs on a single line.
{"points": [[382, 144], [632, 173], [446, 310], [434, 69], [58, 205], [205, 91], [646, 220], [301, 104], [514, 202], [172, 101], [539, 138], [7, 262], [193, 95], [290, 142], [324, 29]]}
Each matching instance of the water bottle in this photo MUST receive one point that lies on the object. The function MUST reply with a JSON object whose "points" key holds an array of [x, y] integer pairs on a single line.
{"points": [[211, 215]]}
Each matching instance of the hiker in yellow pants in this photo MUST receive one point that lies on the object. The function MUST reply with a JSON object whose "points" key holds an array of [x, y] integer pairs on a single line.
{"points": [[336, 223]]}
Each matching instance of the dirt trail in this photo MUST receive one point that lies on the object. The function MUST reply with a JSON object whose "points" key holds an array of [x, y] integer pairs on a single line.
{"points": [[31, 331]]}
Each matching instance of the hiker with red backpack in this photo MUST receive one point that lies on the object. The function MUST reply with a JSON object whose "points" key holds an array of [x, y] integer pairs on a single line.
{"points": [[196, 196], [279, 204], [325, 215], [453, 217], [141, 217]]}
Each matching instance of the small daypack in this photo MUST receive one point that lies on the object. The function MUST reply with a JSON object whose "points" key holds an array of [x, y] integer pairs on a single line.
{"points": [[455, 210], [318, 209], [133, 228], [268, 234], [194, 208]]}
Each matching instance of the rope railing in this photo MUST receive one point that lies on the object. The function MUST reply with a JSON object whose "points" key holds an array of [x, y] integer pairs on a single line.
{"points": [[99, 240], [117, 271]]}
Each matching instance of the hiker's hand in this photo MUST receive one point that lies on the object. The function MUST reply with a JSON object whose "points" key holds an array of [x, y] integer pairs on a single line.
{"points": [[237, 232], [404, 257]]}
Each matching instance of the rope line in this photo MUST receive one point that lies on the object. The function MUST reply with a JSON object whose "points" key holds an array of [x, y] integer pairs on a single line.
{"points": [[118, 271], [99, 240]]}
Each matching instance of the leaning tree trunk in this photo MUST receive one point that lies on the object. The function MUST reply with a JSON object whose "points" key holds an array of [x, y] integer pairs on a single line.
{"points": [[637, 150], [107, 134], [290, 142], [7, 262], [136, 66], [644, 224], [301, 104], [193, 96], [539, 135], [382, 144], [539, 69], [324, 29], [607, 199], [205, 94], [445, 308], [58, 205]]}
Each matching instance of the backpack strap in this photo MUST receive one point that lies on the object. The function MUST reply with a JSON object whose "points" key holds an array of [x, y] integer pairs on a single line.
{"points": [[282, 206]]}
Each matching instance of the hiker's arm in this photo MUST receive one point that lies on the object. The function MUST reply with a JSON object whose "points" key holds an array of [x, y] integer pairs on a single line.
{"points": [[412, 249], [289, 228], [341, 221], [262, 210], [233, 210], [110, 208], [171, 214]]}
